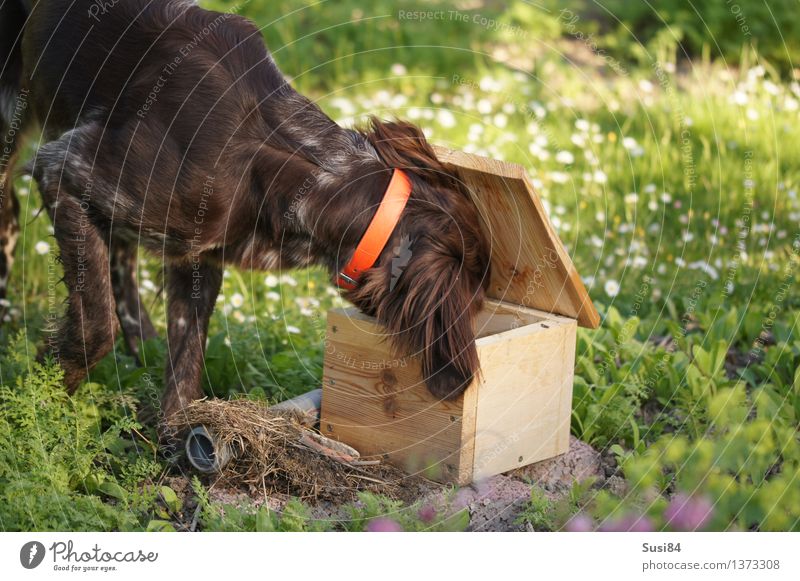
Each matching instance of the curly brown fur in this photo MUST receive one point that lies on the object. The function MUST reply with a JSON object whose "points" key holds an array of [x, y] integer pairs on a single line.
{"points": [[431, 307], [226, 164]]}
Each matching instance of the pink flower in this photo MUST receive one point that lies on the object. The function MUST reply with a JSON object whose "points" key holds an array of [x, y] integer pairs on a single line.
{"points": [[463, 498], [384, 525], [630, 523], [688, 513], [427, 513], [580, 523]]}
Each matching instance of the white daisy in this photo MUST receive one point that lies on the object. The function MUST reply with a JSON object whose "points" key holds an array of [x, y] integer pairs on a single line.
{"points": [[237, 300], [565, 157], [446, 118], [611, 287], [399, 69], [500, 120], [646, 86]]}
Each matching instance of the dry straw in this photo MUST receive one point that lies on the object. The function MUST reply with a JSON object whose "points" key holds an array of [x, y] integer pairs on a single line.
{"points": [[274, 452]]}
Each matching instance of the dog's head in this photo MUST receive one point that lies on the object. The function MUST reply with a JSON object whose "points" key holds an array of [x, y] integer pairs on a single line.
{"points": [[429, 281]]}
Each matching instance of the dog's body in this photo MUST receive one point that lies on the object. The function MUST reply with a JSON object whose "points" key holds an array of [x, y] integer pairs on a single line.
{"points": [[168, 126]]}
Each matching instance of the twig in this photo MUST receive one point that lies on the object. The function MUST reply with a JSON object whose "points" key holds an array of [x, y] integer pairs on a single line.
{"points": [[375, 480], [195, 518]]}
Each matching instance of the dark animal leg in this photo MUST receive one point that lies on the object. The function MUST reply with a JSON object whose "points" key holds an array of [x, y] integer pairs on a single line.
{"points": [[12, 117], [89, 325], [191, 294], [133, 318], [9, 221]]}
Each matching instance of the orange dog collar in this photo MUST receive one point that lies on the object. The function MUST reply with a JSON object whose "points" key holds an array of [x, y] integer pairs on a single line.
{"points": [[378, 232]]}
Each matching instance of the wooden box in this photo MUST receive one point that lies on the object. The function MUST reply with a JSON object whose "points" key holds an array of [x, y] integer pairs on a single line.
{"points": [[518, 409]]}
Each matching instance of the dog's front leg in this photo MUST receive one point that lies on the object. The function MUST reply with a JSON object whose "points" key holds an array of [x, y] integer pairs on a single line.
{"points": [[192, 290], [133, 318]]}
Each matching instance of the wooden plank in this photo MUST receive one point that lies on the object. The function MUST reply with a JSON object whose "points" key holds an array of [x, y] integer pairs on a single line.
{"points": [[519, 407], [499, 317], [495, 318], [378, 403], [530, 266], [524, 397]]}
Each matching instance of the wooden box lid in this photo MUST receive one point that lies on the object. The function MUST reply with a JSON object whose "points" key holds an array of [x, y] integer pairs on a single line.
{"points": [[530, 266]]}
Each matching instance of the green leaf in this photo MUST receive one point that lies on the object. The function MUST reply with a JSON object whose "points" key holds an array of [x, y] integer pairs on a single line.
{"points": [[702, 359], [635, 431], [265, 522], [112, 489], [628, 330], [617, 450], [170, 498], [160, 526], [728, 407], [294, 517], [698, 384], [711, 362], [92, 482], [613, 319], [457, 522]]}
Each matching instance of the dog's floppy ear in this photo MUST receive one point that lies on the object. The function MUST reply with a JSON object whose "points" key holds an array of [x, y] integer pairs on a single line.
{"points": [[439, 311], [403, 145], [427, 295], [428, 306]]}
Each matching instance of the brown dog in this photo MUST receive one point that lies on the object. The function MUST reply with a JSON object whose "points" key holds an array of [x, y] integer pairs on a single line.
{"points": [[168, 126]]}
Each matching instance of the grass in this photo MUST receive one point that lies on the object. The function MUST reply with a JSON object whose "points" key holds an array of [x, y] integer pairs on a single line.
{"points": [[673, 184]]}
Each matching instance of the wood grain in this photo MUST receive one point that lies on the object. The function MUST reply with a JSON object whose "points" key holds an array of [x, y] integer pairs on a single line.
{"points": [[519, 407], [530, 266], [378, 403], [524, 398]]}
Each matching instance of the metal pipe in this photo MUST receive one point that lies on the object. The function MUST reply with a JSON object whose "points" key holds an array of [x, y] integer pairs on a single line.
{"points": [[207, 455], [307, 404], [204, 452]]}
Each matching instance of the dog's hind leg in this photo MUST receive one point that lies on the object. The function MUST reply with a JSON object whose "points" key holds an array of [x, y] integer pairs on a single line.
{"points": [[9, 224], [13, 105], [89, 326], [133, 318]]}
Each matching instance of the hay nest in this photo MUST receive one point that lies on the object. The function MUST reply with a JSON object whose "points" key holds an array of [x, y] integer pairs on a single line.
{"points": [[274, 452]]}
